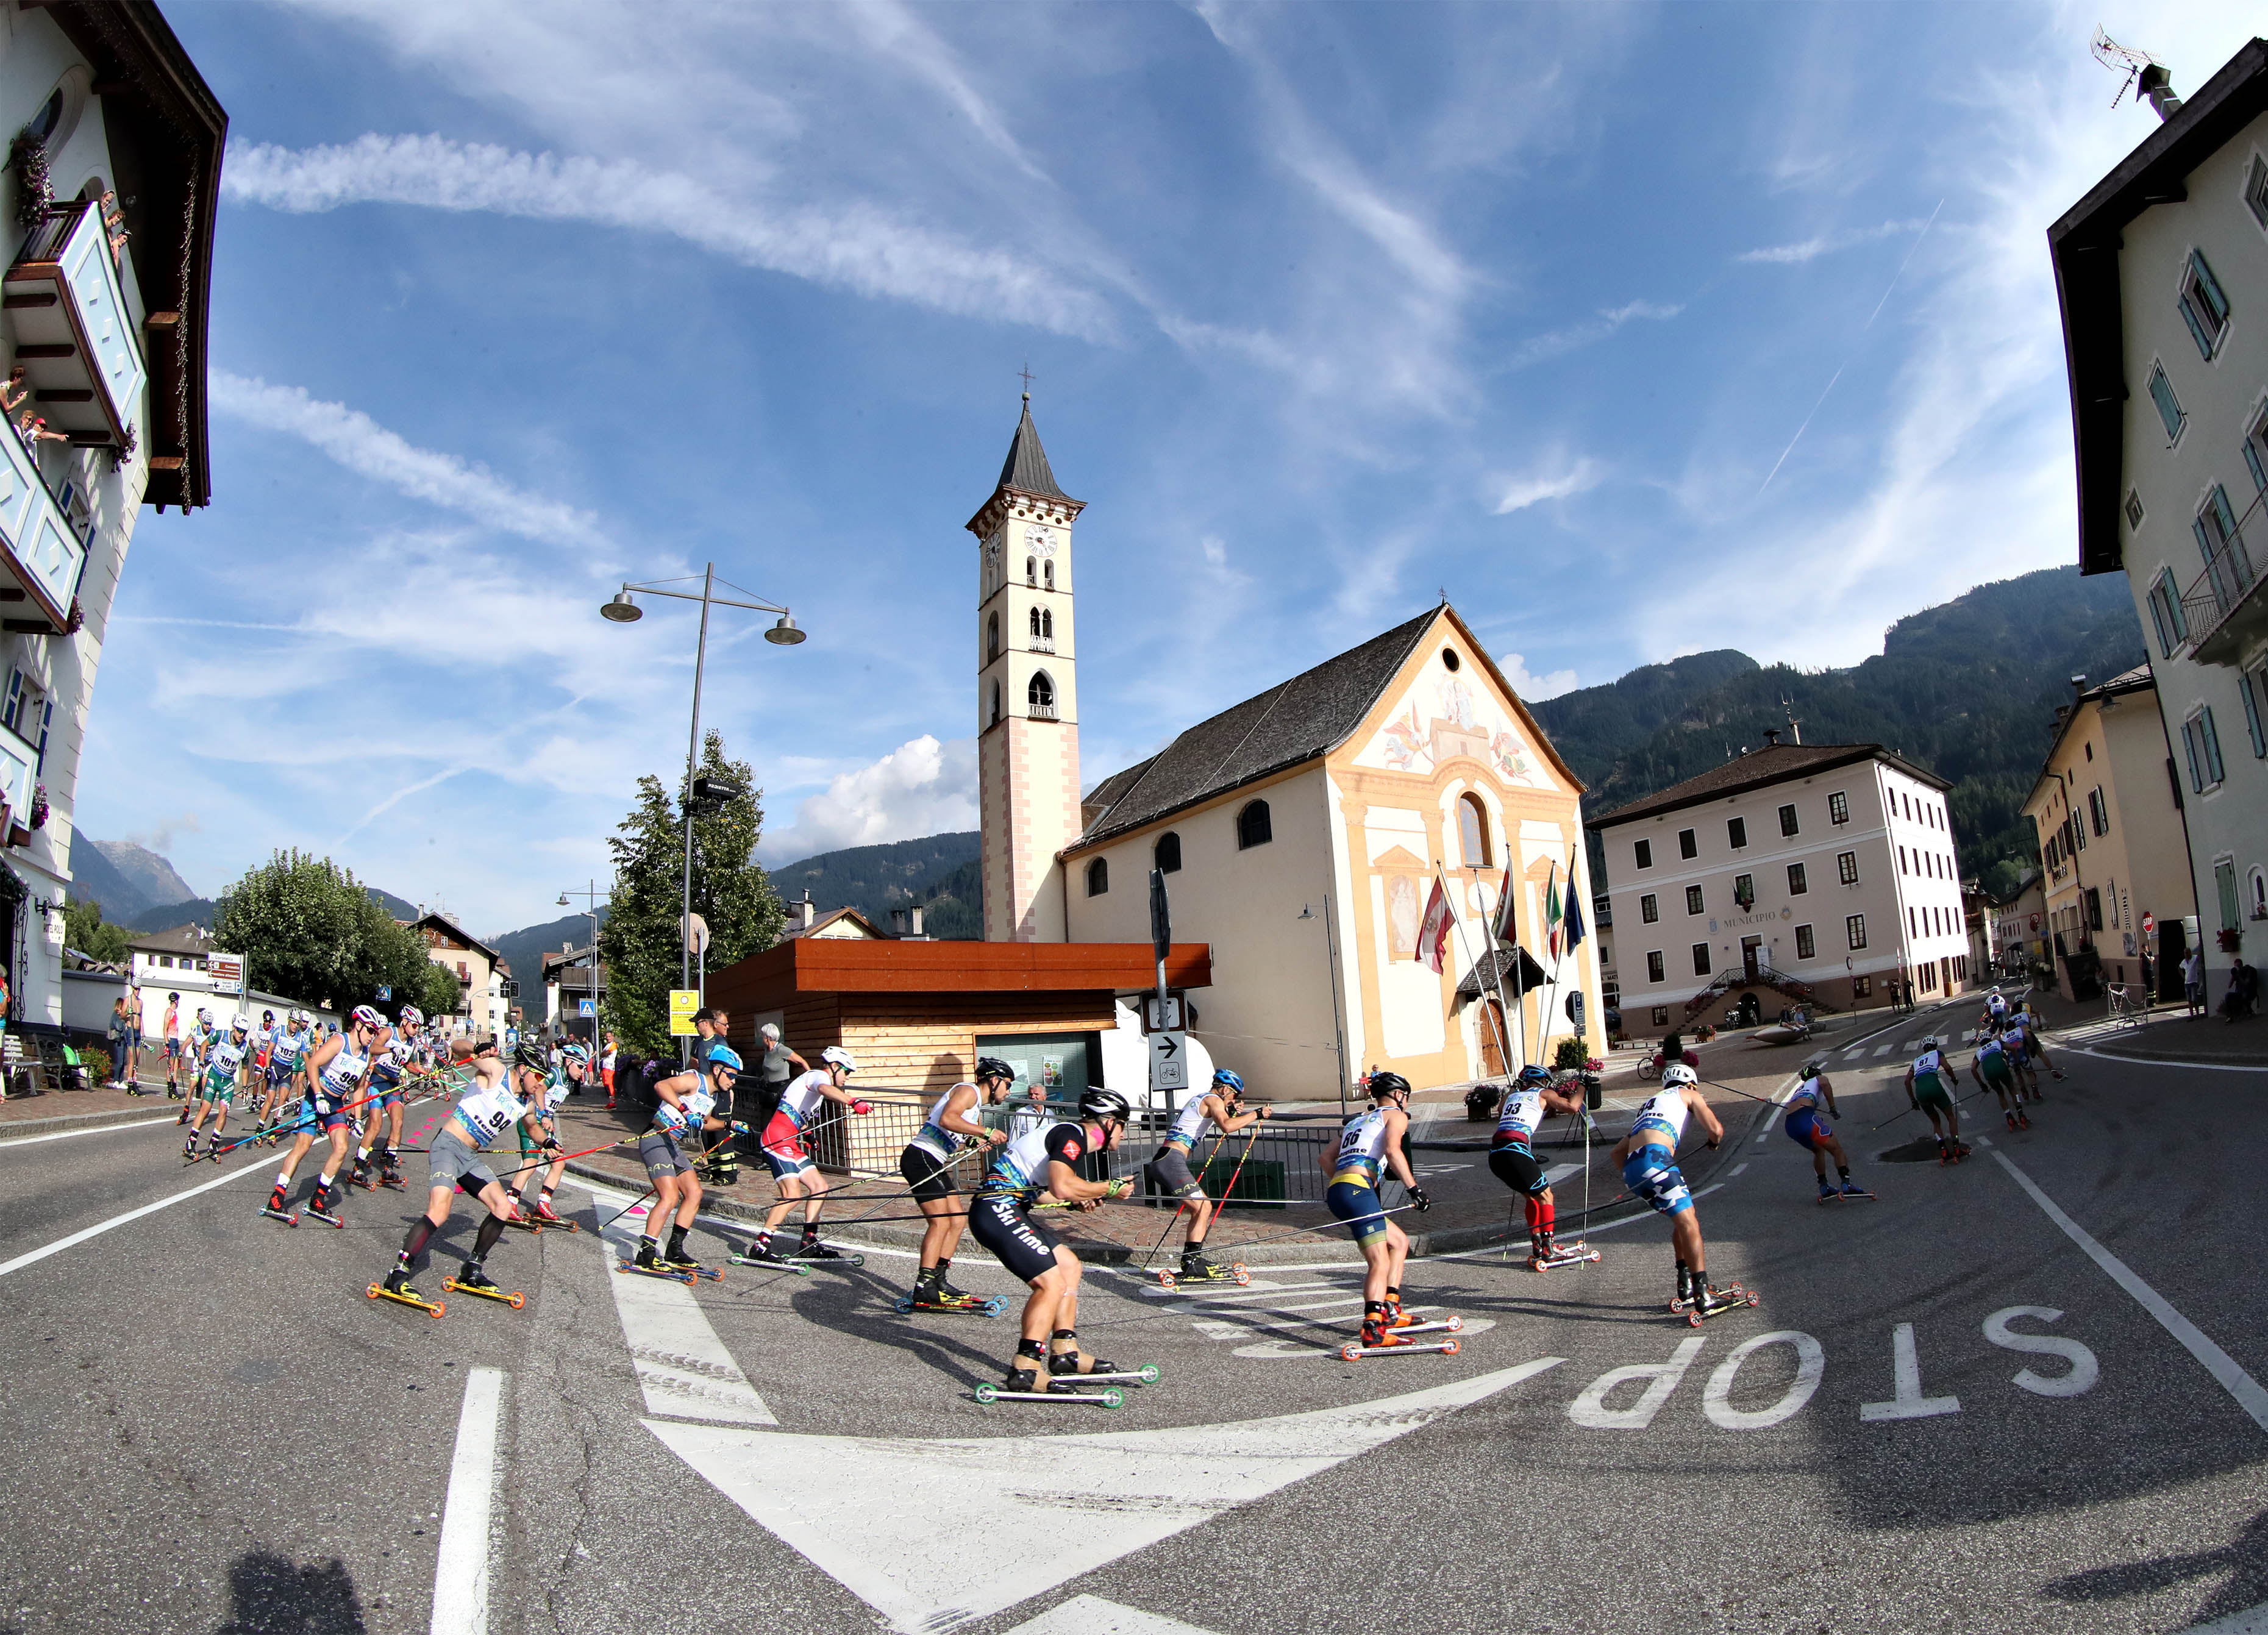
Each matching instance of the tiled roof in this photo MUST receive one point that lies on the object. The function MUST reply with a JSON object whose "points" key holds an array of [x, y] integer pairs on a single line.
{"points": [[1293, 722], [1026, 468], [1756, 770]]}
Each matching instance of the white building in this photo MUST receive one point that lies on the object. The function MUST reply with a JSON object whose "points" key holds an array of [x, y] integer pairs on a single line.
{"points": [[2162, 270], [1811, 869], [111, 184]]}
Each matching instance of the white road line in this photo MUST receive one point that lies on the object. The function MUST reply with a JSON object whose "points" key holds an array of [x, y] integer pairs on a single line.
{"points": [[1886, 1047], [684, 1369], [1091, 1615], [257, 1167], [2154, 1061], [460, 1573], [93, 1130], [1737, 1168], [2217, 1363], [1629, 1219]]}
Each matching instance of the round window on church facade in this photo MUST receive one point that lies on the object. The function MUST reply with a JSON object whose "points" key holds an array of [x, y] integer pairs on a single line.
{"points": [[1449, 658]]}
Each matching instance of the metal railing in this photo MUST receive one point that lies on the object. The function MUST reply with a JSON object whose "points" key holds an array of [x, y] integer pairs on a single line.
{"points": [[2217, 592], [1040, 712]]}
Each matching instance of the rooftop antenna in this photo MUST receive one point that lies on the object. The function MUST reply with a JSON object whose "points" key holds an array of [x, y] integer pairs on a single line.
{"points": [[1794, 726], [2140, 72]]}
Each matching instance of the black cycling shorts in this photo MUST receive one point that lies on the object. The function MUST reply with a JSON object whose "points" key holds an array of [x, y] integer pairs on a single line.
{"points": [[998, 1221], [926, 1174], [1517, 1169]]}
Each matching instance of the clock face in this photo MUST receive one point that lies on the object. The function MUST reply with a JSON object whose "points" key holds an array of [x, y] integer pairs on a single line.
{"points": [[1041, 540]]}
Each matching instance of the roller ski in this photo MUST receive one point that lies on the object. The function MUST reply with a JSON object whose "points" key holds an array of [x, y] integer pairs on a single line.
{"points": [[656, 1269], [543, 1215], [1852, 1193], [1708, 1302], [1027, 1384], [1548, 1256], [396, 1287], [473, 1280], [1196, 1268], [1146, 1374], [1950, 1152], [274, 1211], [929, 1296], [1377, 1341], [811, 1251], [1446, 1325]]}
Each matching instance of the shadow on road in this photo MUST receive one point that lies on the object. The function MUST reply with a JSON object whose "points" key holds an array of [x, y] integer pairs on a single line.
{"points": [[271, 1594], [2245, 1564]]}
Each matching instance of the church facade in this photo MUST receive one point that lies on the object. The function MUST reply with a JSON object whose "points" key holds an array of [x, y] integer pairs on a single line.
{"points": [[1300, 833]]}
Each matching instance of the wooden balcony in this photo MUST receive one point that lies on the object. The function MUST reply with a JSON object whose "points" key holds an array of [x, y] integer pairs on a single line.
{"points": [[80, 357]]}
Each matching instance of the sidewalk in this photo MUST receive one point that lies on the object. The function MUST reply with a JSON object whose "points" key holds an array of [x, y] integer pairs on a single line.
{"points": [[2168, 1034], [74, 1109]]}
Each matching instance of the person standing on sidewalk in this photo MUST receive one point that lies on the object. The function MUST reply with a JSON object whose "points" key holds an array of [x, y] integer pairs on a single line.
{"points": [[117, 1037], [133, 1038], [2193, 981]]}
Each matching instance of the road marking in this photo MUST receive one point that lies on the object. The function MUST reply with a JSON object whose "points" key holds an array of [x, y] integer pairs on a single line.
{"points": [[2217, 1363], [1091, 1615], [1717, 1396], [682, 1366], [93, 1130], [460, 1574], [1590, 1410], [2154, 1061], [1284, 1350], [1737, 1168], [1886, 1047], [2252, 1621], [1608, 1225], [1150, 1484], [2076, 1381], [257, 1167], [1907, 1402], [1559, 1172]]}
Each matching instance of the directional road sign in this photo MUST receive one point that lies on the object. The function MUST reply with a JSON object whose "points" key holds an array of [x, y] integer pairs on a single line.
{"points": [[1169, 1061]]}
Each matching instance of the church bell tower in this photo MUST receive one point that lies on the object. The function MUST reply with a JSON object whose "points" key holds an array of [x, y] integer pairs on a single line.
{"points": [[1027, 693]]}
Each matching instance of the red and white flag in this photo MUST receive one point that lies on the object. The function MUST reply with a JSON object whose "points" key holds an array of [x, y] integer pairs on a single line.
{"points": [[1433, 931]]}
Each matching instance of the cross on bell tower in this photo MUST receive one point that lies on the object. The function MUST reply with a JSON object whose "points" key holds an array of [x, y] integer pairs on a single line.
{"points": [[1027, 691]]}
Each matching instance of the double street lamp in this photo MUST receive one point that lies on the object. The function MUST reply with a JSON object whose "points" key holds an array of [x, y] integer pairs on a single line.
{"points": [[784, 633]]}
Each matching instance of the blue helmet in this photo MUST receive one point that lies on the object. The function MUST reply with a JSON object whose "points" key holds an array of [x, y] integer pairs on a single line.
{"points": [[726, 1058], [1535, 1073], [1224, 1079]]}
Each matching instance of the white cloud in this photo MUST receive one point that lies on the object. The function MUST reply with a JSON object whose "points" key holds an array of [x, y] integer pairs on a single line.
{"points": [[1827, 243], [855, 246], [1568, 479], [1535, 689], [924, 787], [1558, 343], [360, 444]]}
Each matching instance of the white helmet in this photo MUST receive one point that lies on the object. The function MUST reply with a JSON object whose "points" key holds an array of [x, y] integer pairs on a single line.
{"points": [[1677, 1075], [239, 1024], [836, 1056], [411, 1016]]}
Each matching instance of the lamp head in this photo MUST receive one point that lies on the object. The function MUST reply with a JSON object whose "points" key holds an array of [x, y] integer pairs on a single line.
{"points": [[563, 899], [785, 633], [621, 610]]}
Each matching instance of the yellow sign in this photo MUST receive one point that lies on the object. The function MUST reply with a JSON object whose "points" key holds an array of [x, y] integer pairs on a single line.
{"points": [[683, 1003]]}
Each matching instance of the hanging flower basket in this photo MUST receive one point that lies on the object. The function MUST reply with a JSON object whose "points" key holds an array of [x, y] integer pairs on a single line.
{"points": [[2232, 939], [39, 813]]}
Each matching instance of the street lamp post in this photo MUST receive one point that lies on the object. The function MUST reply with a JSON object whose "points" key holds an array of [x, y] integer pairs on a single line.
{"points": [[784, 633], [589, 895]]}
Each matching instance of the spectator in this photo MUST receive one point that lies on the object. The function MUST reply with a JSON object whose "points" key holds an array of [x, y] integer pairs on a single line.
{"points": [[613, 1048], [133, 1037], [2244, 990], [779, 1064], [118, 1025], [2193, 981]]}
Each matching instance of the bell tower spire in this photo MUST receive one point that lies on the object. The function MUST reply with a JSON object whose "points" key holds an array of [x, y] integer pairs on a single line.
{"points": [[1027, 691]]}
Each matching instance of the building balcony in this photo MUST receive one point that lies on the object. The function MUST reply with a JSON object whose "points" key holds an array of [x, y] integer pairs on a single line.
{"points": [[1041, 643], [2225, 611], [81, 360], [41, 555]]}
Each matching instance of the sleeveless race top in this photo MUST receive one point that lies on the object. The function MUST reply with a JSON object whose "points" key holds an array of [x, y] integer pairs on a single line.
{"points": [[1926, 1067], [1523, 1110], [1362, 1147], [1663, 1113], [342, 1073], [933, 1137], [1189, 1125], [486, 1112], [1021, 1167], [1807, 1094], [226, 1057], [801, 1100]]}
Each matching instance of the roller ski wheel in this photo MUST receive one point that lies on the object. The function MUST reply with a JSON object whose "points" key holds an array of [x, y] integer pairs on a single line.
{"points": [[1187, 1276], [406, 1297], [362, 1181], [1355, 1352], [1728, 1300], [770, 1263], [544, 1215], [288, 1217], [1109, 1396], [486, 1290], [1580, 1254], [326, 1217]]}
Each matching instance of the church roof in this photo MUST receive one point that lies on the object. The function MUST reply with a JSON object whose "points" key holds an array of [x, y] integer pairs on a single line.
{"points": [[1293, 722], [1026, 468]]}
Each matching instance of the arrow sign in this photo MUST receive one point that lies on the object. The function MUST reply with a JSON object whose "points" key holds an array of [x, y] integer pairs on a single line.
{"points": [[1169, 1061]]}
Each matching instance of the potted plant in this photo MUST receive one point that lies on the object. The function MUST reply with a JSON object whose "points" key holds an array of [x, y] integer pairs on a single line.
{"points": [[2232, 940]]}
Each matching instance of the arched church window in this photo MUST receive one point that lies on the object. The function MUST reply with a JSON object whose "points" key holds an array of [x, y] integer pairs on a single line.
{"points": [[995, 719], [991, 637], [1048, 623], [1036, 621], [1041, 694], [1168, 853], [1253, 827], [1473, 831], [1048, 570], [1098, 877], [1031, 570]]}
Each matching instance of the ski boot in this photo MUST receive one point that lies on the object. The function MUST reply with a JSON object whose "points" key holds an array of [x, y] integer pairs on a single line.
{"points": [[1825, 1191], [812, 1249], [2023, 1119], [323, 1208], [361, 1177], [473, 1280], [389, 1175], [396, 1287], [2012, 1122], [1960, 1151], [649, 1259], [1395, 1316], [1065, 1364], [274, 1211], [1944, 1151], [1377, 1333], [677, 1259], [543, 1215]]}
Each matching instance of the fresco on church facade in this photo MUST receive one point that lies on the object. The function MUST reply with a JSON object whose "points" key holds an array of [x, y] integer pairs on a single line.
{"points": [[1445, 717]]}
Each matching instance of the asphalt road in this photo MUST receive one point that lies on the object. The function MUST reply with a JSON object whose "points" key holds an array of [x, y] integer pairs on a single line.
{"points": [[216, 1430]]}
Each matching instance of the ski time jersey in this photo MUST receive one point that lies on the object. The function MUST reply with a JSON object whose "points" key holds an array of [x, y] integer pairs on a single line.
{"points": [[1021, 1168], [801, 1100], [1515, 1126], [389, 1065], [1189, 1124], [697, 1104], [1992, 1057], [557, 1089], [933, 1137], [1996, 1005], [220, 1067], [1362, 1149], [1663, 1114], [486, 1111]]}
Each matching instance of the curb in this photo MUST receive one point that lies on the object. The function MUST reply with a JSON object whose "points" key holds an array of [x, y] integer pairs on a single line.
{"points": [[14, 1127]]}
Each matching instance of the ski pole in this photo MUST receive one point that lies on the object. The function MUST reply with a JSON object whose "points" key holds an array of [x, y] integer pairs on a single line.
{"points": [[1181, 1205]]}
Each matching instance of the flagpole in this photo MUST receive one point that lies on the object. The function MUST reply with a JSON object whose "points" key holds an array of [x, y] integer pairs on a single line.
{"points": [[1503, 1050], [1544, 1022], [1516, 1019]]}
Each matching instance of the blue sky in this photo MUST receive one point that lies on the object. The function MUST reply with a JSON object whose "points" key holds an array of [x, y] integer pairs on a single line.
{"points": [[1640, 330]]}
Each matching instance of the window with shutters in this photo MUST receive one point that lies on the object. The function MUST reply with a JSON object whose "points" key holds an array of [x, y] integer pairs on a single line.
{"points": [[2255, 190], [2253, 684], [2170, 407], [2165, 614], [2098, 810], [2205, 309], [2229, 564]]}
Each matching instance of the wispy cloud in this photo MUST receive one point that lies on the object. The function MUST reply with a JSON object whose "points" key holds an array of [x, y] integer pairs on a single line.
{"points": [[1828, 243], [1557, 480], [360, 444], [855, 245], [1533, 688], [925, 787], [1558, 343]]}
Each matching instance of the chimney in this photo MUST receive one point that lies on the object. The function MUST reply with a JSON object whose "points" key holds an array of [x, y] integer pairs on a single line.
{"points": [[898, 919], [916, 911], [1771, 738], [2157, 85], [806, 912]]}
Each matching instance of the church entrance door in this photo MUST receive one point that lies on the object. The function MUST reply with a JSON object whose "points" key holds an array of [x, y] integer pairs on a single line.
{"points": [[1492, 1029]]}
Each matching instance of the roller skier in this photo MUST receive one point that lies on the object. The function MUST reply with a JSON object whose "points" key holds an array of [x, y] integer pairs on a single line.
{"points": [[684, 1117], [384, 1110], [1369, 1146], [1648, 1156], [794, 1176], [926, 1165], [1992, 1070], [1222, 1106], [1805, 1127], [336, 1071], [215, 1090], [1927, 1090], [1512, 1161], [539, 1180]]}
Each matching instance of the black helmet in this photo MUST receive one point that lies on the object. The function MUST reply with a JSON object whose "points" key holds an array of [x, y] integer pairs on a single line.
{"points": [[1383, 1084], [993, 1067], [1101, 1103], [532, 1056]]}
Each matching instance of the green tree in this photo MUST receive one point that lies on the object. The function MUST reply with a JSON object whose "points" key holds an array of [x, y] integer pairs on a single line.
{"points": [[309, 931], [84, 929], [640, 941]]}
